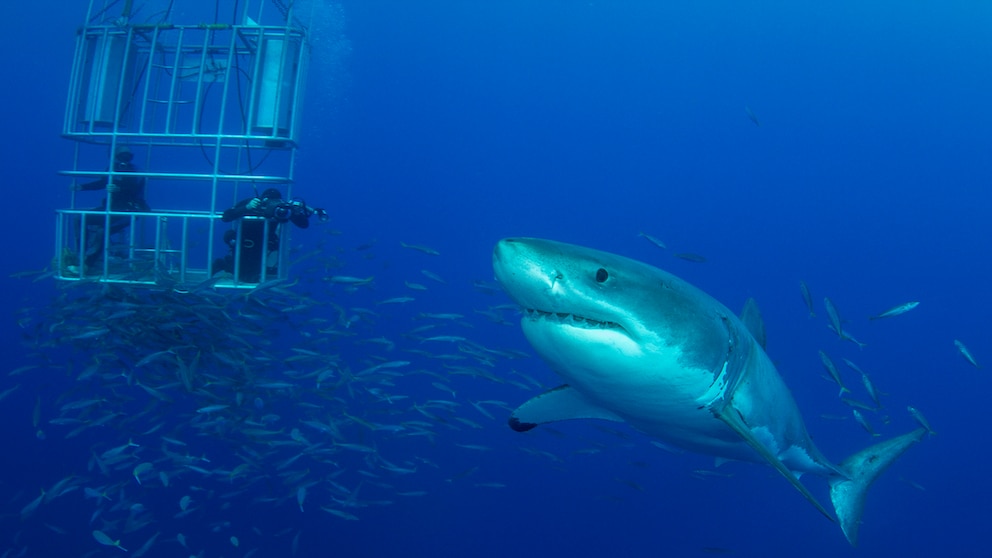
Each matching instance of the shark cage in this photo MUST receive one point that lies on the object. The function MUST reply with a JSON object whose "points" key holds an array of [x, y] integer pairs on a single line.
{"points": [[200, 114]]}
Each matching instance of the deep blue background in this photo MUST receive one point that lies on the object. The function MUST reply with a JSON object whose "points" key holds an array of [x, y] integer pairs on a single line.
{"points": [[454, 124]]}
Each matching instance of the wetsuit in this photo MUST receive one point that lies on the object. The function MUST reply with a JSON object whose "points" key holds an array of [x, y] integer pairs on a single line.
{"points": [[275, 211], [130, 196]]}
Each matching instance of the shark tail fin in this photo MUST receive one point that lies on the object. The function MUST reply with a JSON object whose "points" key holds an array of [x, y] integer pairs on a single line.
{"points": [[861, 469]]}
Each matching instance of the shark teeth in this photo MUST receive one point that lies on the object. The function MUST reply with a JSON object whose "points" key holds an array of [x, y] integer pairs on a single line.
{"points": [[570, 319]]}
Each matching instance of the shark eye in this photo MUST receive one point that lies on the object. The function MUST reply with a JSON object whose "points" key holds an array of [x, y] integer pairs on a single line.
{"points": [[601, 275]]}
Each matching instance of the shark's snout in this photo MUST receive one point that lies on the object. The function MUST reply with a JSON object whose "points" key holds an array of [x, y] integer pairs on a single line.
{"points": [[504, 254], [500, 254], [518, 270]]}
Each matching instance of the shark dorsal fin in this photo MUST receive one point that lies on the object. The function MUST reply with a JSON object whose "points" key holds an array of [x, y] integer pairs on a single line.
{"points": [[751, 316]]}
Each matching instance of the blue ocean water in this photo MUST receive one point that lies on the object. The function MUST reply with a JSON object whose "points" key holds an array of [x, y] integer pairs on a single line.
{"points": [[454, 124]]}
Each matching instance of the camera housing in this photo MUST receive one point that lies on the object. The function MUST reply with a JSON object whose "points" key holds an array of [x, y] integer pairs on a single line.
{"points": [[278, 210]]}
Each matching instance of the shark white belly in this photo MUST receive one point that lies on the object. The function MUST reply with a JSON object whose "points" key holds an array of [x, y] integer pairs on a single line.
{"points": [[636, 344]]}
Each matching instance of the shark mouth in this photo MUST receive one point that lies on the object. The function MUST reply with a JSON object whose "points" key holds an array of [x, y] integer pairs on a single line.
{"points": [[571, 319]]}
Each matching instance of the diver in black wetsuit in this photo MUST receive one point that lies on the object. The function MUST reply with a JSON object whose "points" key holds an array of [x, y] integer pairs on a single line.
{"points": [[127, 193], [274, 211]]}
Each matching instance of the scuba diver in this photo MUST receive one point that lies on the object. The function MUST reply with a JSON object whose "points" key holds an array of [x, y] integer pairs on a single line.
{"points": [[274, 211], [127, 194]]}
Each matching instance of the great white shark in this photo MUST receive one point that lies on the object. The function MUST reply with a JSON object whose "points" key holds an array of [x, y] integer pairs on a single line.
{"points": [[636, 344]]}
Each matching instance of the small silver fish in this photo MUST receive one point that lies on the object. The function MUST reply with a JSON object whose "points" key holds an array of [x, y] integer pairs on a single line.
{"points": [[834, 317], [184, 502], [348, 280], [432, 276], [444, 339], [90, 334], [340, 513], [397, 300], [922, 420], [834, 373], [211, 409], [807, 298], [103, 539], [915, 485], [653, 240], [751, 116], [140, 469], [691, 257], [301, 496], [870, 388], [441, 316], [853, 366], [966, 353], [896, 310], [855, 403], [421, 248], [864, 423], [845, 336]]}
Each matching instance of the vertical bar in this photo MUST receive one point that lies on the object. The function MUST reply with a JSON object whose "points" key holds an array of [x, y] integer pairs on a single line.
{"points": [[258, 16], [222, 116], [211, 230], [155, 73], [170, 104], [199, 98], [254, 76], [82, 244], [280, 76], [237, 253], [244, 14], [91, 99], [148, 80], [264, 271], [122, 81], [280, 252], [183, 253], [60, 242], [81, 251], [75, 179], [157, 252], [74, 82], [232, 47], [302, 68], [287, 231], [132, 225], [117, 119]]}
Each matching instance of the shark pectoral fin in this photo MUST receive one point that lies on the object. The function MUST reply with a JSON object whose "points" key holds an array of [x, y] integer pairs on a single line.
{"points": [[729, 416], [862, 468], [560, 403]]}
